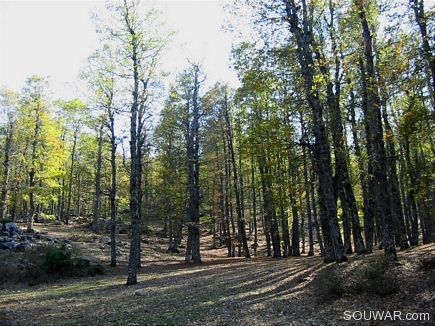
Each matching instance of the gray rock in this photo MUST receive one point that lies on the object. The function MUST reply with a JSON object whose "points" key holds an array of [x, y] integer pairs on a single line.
{"points": [[141, 292], [105, 240], [24, 246], [25, 238], [12, 228], [5, 239], [9, 245], [53, 239]]}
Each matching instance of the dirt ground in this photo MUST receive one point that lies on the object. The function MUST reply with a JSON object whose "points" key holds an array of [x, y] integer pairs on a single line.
{"points": [[219, 291]]}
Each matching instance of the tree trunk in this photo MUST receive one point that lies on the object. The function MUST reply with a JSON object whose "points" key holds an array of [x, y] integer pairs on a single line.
{"points": [[113, 191], [6, 165], [295, 227], [270, 221], [32, 172], [135, 169], [343, 185], [378, 158], [254, 207], [396, 206], [98, 192], [428, 55], [308, 204], [334, 249], [193, 240], [241, 228], [71, 174]]}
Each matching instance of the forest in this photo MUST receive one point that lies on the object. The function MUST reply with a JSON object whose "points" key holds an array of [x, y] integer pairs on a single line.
{"points": [[326, 148]]}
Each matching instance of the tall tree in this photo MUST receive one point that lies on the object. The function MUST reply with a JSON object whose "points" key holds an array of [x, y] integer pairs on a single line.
{"points": [[138, 36], [301, 26], [377, 155], [423, 23], [8, 106], [192, 136], [74, 113]]}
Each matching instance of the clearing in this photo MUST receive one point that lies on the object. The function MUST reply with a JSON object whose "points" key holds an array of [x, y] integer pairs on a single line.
{"points": [[220, 291]]}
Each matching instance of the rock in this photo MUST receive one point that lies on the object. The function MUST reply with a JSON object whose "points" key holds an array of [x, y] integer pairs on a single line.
{"points": [[12, 228], [140, 292], [24, 246], [105, 240], [9, 245]]}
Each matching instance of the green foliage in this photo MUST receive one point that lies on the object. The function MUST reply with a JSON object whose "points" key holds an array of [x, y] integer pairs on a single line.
{"points": [[68, 262], [5, 220], [61, 260]]}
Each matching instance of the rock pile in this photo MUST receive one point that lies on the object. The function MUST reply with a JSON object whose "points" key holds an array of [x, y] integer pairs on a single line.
{"points": [[13, 239]]}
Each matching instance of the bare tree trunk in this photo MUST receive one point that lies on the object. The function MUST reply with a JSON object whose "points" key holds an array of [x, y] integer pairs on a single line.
{"points": [[6, 163], [32, 172], [295, 227], [254, 207], [193, 239], [270, 221], [429, 56], [98, 191], [379, 183], [240, 220], [308, 204], [71, 174], [333, 242], [113, 191], [135, 170]]}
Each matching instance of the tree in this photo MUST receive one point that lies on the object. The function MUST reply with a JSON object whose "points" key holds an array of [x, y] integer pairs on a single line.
{"points": [[42, 152], [192, 136], [378, 181], [138, 38], [74, 118], [102, 79], [220, 95], [302, 29], [428, 53], [8, 105]]}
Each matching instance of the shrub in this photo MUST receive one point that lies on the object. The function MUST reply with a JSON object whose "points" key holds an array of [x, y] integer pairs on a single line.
{"points": [[5, 220], [427, 263], [375, 277], [68, 262], [329, 283], [372, 275]]}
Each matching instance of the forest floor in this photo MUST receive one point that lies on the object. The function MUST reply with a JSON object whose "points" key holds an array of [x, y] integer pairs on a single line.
{"points": [[220, 291]]}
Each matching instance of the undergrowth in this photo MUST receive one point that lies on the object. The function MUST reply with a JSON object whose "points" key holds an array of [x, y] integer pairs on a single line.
{"points": [[68, 262], [373, 275]]}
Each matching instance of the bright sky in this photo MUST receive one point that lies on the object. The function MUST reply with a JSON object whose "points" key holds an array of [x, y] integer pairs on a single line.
{"points": [[54, 38]]}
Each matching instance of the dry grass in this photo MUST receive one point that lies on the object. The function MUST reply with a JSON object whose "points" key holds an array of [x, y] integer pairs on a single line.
{"points": [[220, 291]]}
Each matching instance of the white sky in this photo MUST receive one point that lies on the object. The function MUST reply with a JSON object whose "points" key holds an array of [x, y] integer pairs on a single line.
{"points": [[54, 38]]}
